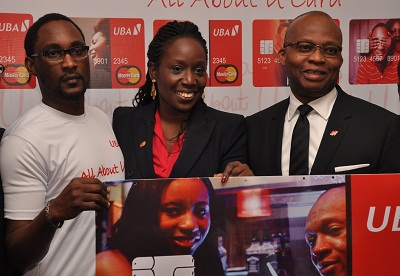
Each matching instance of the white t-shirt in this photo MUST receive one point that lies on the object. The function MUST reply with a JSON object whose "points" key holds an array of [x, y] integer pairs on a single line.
{"points": [[40, 153]]}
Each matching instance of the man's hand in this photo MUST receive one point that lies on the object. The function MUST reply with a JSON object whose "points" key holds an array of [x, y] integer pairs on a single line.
{"points": [[235, 168], [81, 194], [28, 241]]}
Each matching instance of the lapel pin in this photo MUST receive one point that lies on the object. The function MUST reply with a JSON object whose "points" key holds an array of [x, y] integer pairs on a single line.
{"points": [[142, 144], [334, 132]]}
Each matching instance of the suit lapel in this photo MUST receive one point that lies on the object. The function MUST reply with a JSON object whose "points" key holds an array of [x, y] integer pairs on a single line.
{"points": [[338, 122], [198, 135], [276, 135], [143, 124]]}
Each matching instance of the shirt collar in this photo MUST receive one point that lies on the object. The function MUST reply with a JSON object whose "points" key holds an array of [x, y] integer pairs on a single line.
{"points": [[323, 106]]}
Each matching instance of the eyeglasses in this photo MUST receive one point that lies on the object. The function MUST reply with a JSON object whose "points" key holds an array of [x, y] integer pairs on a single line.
{"points": [[57, 55], [306, 48]]}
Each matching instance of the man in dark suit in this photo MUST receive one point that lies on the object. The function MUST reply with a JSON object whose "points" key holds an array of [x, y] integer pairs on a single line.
{"points": [[347, 135]]}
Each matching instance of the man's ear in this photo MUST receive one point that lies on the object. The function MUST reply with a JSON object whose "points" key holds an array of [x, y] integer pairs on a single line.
{"points": [[152, 70], [282, 56], [30, 65]]}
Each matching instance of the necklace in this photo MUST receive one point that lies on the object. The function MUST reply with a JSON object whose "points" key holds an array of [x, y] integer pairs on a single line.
{"points": [[179, 136]]}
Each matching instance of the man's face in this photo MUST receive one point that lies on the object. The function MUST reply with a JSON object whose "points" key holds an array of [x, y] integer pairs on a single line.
{"points": [[379, 43], [326, 233], [395, 31], [59, 80], [314, 75]]}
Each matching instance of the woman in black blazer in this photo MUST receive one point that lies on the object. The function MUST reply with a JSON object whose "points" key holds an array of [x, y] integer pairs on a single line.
{"points": [[170, 131]]}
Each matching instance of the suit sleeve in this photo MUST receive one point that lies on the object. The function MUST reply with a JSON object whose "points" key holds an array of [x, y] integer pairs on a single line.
{"points": [[235, 148], [390, 158]]}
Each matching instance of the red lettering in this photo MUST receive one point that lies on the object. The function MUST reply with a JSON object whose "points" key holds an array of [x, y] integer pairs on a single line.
{"points": [[104, 171], [113, 143], [171, 3], [315, 3], [226, 3], [273, 2], [227, 103], [89, 174]]}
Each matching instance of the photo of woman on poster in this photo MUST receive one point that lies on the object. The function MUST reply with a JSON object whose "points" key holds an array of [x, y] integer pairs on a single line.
{"points": [[161, 218], [100, 55]]}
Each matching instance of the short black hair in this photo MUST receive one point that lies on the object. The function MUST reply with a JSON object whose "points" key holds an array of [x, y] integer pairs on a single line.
{"points": [[32, 34]]}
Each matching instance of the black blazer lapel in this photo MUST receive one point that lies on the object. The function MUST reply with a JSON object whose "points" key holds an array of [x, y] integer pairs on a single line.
{"points": [[143, 124], [196, 140], [276, 135], [336, 128]]}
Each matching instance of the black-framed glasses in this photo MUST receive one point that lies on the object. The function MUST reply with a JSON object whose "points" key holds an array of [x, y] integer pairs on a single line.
{"points": [[306, 48], [57, 55]]}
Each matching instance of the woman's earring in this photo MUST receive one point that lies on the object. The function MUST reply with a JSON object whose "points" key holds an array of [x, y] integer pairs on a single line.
{"points": [[153, 92]]}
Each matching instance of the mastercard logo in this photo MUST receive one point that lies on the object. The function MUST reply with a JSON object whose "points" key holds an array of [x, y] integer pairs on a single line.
{"points": [[16, 75], [226, 73], [128, 75]]}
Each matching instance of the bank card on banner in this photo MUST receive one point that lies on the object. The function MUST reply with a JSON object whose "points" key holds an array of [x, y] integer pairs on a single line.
{"points": [[13, 28], [268, 38], [225, 52], [374, 51], [117, 51]]}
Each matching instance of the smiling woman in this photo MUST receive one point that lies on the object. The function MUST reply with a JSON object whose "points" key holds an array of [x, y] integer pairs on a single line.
{"points": [[170, 131], [177, 221]]}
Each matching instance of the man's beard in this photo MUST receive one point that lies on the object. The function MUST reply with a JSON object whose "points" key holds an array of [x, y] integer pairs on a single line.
{"points": [[71, 96]]}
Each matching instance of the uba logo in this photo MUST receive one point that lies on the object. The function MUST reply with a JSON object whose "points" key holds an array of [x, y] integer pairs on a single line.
{"points": [[226, 73], [128, 75], [14, 27], [226, 32], [121, 30], [16, 75]]}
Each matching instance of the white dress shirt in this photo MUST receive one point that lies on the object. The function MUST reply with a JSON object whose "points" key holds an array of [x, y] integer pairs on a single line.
{"points": [[318, 119]]}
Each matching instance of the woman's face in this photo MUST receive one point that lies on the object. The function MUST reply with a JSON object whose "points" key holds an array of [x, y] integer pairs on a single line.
{"points": [[181, 76], [184, 215], [100, 50]]}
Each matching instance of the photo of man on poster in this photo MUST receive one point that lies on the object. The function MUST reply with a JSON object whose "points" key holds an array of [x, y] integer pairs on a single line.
{"points": [[325, 232]]}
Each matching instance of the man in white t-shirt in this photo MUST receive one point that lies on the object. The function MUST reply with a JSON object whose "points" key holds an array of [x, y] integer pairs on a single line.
{"points": [[54, 158]]}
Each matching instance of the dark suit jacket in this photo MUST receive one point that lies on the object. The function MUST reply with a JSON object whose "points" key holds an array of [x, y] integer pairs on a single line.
{"points": [[214, 138], [367, 134]]}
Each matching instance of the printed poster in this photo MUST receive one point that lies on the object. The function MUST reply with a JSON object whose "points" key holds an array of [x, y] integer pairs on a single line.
{"points": [[13, 28], [268, 37], [116, 53], [225, 52], [299, 225], [374, 51]]}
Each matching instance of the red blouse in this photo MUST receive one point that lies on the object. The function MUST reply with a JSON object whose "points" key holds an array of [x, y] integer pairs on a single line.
{"points": [[161, 161]]}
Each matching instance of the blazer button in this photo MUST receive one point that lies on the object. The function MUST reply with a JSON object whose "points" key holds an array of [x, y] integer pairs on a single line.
{"points": [[130, 173]]}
